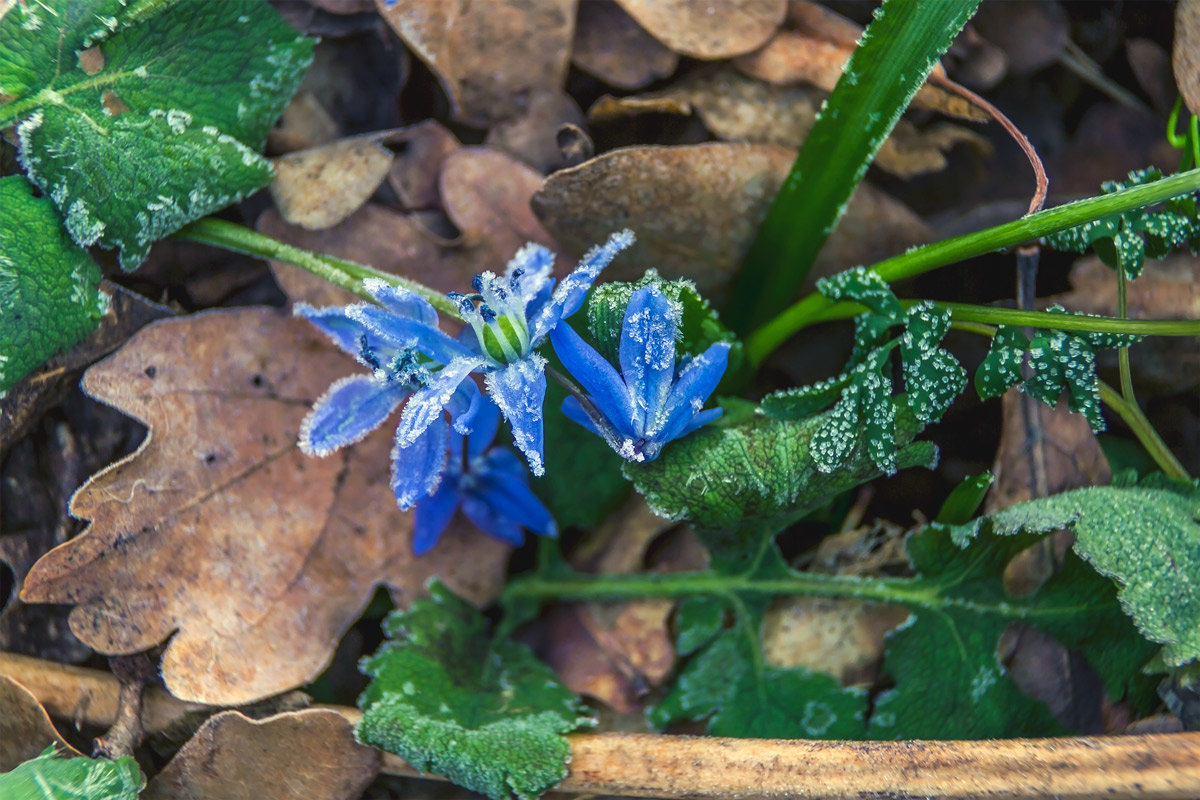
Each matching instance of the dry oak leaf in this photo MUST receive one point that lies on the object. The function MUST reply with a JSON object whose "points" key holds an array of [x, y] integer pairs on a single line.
{"points": [[611, 46], [303, 755], [488, 56], [220, 531], [485, 195], [708, 30], [696, 209], [319, 187]]}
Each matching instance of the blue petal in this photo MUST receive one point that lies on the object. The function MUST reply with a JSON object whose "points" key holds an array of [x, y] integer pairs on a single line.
{"points": [[503, 484], [575, 413], [464, 404], [604, 386], [350, 409], [403, 332], [487, 520], [401, 301], [520, 390], [687, 397], [700, 420], [341, 329], [647, 353], [432, 515], [487, 422], [417, 468], [569, 293], [536, 263], [427, 403]]}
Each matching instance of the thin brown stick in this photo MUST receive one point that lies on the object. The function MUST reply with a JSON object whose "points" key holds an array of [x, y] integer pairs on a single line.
{"points": [[1161, 767]]}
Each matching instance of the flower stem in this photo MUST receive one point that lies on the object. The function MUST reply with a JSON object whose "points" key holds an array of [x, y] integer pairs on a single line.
{"points": [[1132, 415], [346, 274], [763, 341]]}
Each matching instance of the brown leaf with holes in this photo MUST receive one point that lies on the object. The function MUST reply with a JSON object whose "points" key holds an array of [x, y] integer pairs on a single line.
{"points": [[708, 30], [489, 56], [611, 46], [319, 187], [304, 755], [697, 208], [25, 727], [485, 195], [219, 533]]}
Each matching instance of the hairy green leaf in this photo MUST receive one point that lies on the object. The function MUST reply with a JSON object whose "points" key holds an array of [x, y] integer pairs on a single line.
{"points": [[51, 777], [1146, 537], [49, 287], [932, 377], [486, 714], [139, 117]]}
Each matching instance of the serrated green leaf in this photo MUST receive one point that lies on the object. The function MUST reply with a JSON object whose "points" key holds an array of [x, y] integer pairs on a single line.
{"points": [[1146, 537], [861, 285], [50, 294], [932, 377], [485, 714], [950, 683], [698, 619], [162, 124], [1001, 368], [1062, 363], [51, 777]]}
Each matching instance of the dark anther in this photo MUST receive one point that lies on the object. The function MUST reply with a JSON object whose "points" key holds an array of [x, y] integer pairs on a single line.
{"points": [[477, 283], [368, 354]]}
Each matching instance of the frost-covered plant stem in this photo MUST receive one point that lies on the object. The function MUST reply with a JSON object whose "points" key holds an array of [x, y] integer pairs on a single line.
{"points": [[346, 274], [815, 307]]}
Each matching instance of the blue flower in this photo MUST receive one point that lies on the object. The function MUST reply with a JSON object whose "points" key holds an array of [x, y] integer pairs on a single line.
{"points": [[490, 486], [356, 405], [650, 403], [508, 317]]}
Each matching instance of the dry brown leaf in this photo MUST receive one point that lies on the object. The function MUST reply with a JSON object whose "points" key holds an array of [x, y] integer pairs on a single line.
{"points": [[304, 755], [1152, 67], [486, 195], [489, 56], [611, 46], [697, 208], [415, 172], [843, 638], [532, 135], [344, 6], [25, 727], [1032, 33], [708, 30], [219, 531], [319, 187], [305, 123]]}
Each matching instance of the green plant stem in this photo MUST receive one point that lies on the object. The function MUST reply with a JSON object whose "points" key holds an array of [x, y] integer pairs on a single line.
{"points": [[346, 274], [1144, 431], [763, 341], [1123, 352]]}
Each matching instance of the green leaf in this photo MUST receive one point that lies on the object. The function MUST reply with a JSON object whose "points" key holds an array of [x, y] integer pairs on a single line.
{"points": [[964, 500], [50, 777], [1146, 537], [50, 294], [160, 123], [1001, 368], [893, 58], [932, 377], [950, 683], [485, 714], [865, 287]]}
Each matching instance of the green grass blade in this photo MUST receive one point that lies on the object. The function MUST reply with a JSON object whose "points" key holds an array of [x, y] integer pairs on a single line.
{"points": [[896, 54]]}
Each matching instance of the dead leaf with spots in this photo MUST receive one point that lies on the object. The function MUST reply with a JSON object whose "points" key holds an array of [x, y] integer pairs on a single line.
{"points": [[611, 46], [303, 755], [488, 56], [219, 534], [319, 187], [708, 30], [25, 727], [696, 210], [485, 194]]}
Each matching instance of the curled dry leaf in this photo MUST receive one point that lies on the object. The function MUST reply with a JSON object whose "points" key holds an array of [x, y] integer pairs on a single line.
{"points": [[305, 755], [841, 637], [488, 56], [305, 123], [415, 171], [25, 727], [697, 208], [708, 30], [220, 531], [532, 135], [319, 187], [485, 194], [611, 46]]}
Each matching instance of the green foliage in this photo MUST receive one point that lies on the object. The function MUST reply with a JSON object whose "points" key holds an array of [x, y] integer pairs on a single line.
{"points": [[159, 123], [1124, 241], [964, 500], [486, 714], [1061, 361], [51, 777], [1146, 537], [50, 294], [950, 683]]}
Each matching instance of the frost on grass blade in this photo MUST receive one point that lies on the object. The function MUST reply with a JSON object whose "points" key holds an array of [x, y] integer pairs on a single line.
{"points": [[50, 295], [162, 126]]}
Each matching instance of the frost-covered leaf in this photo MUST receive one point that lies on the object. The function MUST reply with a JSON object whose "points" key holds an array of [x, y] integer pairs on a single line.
{"points": [[932, 377], [861, 285], [950, 682], [50, 777], [50, 294], [139, 117], [1147, 537], [1001, 368], [448, 699]]}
